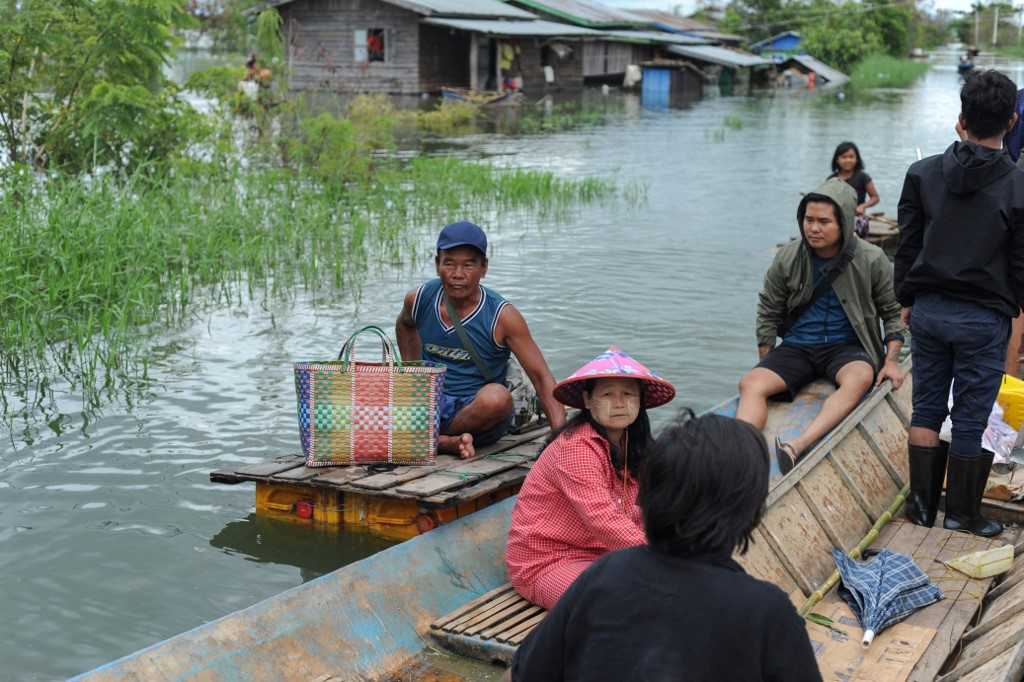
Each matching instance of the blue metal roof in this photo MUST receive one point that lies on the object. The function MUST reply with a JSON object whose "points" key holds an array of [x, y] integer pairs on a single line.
{"points": [[789, 37]]}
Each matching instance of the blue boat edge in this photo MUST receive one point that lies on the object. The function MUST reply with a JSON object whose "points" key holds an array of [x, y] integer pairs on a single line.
{"points": [[367, 618]]}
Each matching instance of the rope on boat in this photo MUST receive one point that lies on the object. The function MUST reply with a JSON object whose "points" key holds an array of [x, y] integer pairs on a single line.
{"points": [[855, 553]]}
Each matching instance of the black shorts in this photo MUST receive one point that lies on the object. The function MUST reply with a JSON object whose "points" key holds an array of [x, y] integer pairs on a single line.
{"points": [[800, 365]]}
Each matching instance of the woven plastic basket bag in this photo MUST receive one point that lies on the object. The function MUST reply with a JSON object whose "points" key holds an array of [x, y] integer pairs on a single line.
{"points": [[354, 412]]}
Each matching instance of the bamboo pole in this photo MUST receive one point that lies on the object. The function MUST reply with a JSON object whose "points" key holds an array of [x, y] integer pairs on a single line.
{"points": [[855, 553]]}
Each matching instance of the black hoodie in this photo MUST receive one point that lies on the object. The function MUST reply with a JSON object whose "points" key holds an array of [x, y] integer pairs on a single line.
{"points": [[961, 219]]}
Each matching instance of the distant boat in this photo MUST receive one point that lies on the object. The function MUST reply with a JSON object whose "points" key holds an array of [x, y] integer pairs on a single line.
{"points": [[481, 97]]}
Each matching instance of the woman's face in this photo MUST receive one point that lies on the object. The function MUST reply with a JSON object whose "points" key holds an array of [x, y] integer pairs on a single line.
{"points": [[847, 160], [614, 403]]}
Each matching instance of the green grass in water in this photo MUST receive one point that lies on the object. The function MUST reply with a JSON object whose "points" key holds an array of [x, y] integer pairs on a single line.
{"points": [[884, 71], [89, 264]]}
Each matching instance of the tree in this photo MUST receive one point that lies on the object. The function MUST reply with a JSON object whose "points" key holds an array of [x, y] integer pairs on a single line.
{"points": [[82, 83], [760, 19], [844, 34]]}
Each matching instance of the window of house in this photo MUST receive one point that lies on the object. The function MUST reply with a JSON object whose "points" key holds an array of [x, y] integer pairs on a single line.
{"points": [[371, 45]]}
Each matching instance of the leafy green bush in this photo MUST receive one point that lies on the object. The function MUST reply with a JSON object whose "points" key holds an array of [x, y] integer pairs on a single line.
{"points": [[74, 70], [123, 126], [449, 118], [220, 82], [329, 148]]}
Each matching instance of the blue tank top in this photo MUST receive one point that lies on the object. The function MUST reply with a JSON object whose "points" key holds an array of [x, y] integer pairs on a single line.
{"points": [[441, 342]]}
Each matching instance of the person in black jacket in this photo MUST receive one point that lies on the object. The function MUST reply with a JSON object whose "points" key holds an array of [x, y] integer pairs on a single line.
{"points": [[960, 279], [680, 608]]}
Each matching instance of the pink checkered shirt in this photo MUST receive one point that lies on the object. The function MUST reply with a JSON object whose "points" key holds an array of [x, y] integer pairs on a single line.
{"points": [[572, 507]]}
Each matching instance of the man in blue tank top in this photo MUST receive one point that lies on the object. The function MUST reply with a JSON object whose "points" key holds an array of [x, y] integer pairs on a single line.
{"points": [[477, 406]]}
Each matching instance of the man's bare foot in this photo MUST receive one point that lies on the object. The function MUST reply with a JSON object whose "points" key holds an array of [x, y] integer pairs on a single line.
{"points": [[457, 445]]}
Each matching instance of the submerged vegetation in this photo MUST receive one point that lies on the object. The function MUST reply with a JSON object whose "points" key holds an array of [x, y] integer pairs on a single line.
{"points": [[90, 262], [884, 71]]}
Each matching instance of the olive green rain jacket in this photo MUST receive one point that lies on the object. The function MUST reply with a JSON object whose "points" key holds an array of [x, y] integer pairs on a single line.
{"points": [[864, 287]]}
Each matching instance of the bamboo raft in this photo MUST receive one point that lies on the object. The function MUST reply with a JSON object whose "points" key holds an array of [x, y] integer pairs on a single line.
{"points": [[366, 620]]}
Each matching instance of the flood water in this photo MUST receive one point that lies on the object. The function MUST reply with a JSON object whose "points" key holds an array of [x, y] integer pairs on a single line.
{"points": [[112, 536]]}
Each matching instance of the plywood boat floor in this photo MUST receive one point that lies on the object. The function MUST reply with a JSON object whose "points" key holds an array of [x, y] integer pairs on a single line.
{"points": [[993, 649]]}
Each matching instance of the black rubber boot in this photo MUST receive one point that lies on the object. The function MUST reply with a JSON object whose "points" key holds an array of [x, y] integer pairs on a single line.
{"points": [[927, 472], [967, 479]]}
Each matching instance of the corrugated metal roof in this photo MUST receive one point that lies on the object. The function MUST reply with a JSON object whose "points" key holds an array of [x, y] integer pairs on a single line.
{"points": [[768, 41], [514, 28], [590, 14], [674, 20], [718, 37], [833, 76], [494, 9], [464, 8], [657, 37], [666, 21], [714, 54]]}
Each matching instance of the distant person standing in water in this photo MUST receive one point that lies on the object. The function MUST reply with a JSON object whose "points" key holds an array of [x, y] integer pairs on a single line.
{"points": [[848, 165]]}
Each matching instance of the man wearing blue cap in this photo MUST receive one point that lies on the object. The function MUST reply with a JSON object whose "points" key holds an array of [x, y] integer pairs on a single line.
{"points": [[471, 329]]}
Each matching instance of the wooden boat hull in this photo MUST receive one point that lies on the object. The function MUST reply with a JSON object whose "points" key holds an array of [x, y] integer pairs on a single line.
{"points": [[366, 619], [481, 97], [359, 622]]}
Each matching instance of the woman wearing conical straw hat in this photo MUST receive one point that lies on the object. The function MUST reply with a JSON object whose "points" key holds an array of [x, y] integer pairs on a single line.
{"points": [[579, 500]]}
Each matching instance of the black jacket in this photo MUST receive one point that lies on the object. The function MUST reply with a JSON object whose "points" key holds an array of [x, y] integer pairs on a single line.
{"points": [[642, 616], [961, 219]]}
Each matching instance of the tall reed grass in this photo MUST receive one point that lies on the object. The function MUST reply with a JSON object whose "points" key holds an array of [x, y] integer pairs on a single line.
{"points": [[885, 71], [90, 263]]}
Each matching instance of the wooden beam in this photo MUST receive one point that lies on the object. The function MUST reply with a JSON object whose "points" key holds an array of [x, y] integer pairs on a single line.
{"points": [[474, 61]]}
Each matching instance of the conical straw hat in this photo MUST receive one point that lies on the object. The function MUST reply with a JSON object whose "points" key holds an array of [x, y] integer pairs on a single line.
{"points": [[614, 364]]}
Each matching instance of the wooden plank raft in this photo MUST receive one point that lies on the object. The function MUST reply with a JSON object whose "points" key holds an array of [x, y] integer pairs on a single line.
{"points": [[841, 492], [397, 503], [403, 482]]}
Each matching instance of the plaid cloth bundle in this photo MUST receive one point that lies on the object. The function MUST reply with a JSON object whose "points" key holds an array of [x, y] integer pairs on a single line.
{"points": [[368, 413]]}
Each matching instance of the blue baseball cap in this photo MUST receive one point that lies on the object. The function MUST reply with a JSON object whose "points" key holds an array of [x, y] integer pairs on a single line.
{"points": [[462, 233]]}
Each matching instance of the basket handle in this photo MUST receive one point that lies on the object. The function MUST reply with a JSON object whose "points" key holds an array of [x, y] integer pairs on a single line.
{"points": [[387, 350]]}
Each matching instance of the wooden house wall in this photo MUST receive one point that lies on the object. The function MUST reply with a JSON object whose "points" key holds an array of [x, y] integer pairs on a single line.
{"points": [[321, 45], [568, 71], [601, 57], [444, 58]]}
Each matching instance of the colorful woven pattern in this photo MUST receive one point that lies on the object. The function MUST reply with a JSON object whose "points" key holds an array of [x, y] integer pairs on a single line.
{"points": [[368, 413]]}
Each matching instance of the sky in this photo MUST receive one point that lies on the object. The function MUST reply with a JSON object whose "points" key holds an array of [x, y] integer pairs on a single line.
{"points": [[690, 6]]}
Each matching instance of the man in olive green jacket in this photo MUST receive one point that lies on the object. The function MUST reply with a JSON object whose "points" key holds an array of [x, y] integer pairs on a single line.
{"points": [[827, 295]]}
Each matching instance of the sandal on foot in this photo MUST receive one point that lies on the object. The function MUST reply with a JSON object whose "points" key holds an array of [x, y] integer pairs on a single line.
{"points": [[785, 455]]}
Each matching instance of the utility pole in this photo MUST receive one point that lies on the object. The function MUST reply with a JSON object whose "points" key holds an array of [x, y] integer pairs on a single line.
{"points": [[995, 28], [1020, 24], [977, 9]]}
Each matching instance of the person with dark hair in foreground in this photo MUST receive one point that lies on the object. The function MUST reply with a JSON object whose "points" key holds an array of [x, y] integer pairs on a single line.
{"points": [[680, 608], [960, 279], [827, 295], [579, 500]]}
